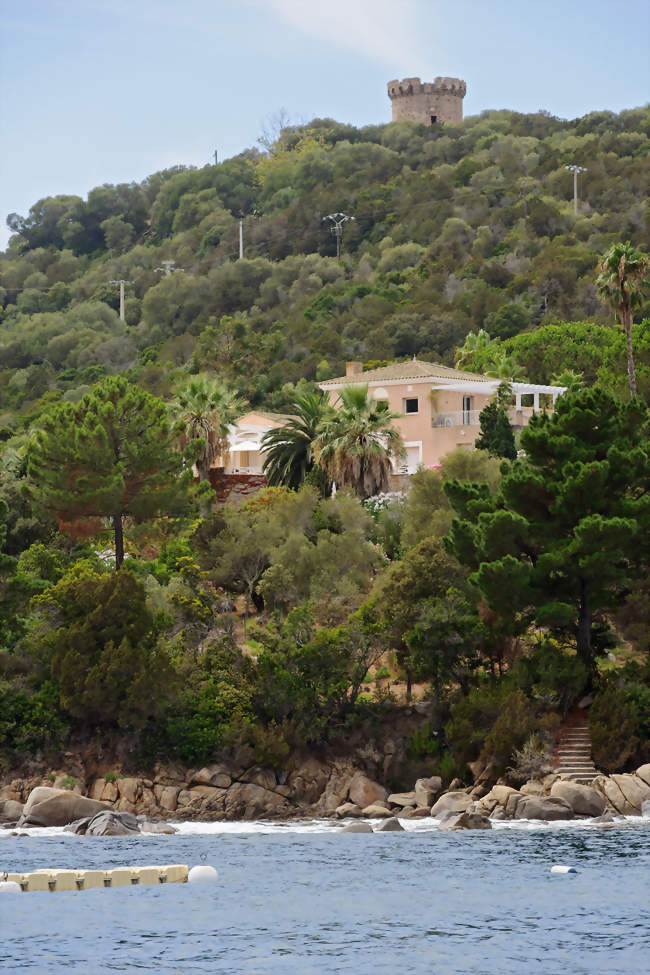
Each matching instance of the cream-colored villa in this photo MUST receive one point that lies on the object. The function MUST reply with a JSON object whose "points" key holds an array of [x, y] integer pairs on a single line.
{"points": [[439, 410], [440, 406]]}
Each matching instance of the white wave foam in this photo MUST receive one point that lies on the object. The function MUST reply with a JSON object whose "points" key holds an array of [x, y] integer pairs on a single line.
{"points": [[325, 826]]}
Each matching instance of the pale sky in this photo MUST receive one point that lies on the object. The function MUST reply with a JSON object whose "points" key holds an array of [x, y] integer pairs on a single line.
{"points": [[94, 92]]}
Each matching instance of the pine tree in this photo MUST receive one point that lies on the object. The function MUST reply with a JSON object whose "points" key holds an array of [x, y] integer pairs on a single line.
{"points": [[496, 434], [109, 455], [569, 530]]}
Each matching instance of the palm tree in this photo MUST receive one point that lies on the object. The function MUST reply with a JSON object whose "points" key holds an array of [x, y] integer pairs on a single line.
{"points": [[503, 366], [477, 348], [207, 409], [623, 283], [356, 444], [288, 449]]}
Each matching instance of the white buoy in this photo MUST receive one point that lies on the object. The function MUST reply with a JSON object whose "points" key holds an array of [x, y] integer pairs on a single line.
{"points": [[560, 868], [9, 887], [203, 874]]}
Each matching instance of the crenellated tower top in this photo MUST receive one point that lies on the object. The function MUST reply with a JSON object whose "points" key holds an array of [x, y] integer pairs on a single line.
{"points": [[428, 102]]}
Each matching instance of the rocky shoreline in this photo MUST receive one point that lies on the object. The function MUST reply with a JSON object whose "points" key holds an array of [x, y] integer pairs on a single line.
{"points": [[226, 791]]}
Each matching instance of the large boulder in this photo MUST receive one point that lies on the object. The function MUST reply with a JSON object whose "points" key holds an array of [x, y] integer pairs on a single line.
{"points": [[357, 828], [365, 792], [166, 796], [612, 794], [203, 798], [148, 827], [110, 823], [498, 797], [643, 773], [464, 820], [376, 810], [57, 807], [533, 788], [391, 825], [451, 802], [263, 777], [547, 809], [427, 790], [348, 809], [129, 789], [215, 775], [245, 800], [402, 799], [10, 810], [584, 800], [625, 793], [635, 790], [308, 781]]}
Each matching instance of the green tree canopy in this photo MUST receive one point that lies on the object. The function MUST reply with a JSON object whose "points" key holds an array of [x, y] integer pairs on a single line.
{"points": [[110, 455], [207, 409], [95, 635], [356, 443], [288, 449], [570, 525], [496, 435]]}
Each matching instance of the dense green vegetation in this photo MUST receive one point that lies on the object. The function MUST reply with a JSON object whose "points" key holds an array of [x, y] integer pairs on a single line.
{"points": [[499, 585]]}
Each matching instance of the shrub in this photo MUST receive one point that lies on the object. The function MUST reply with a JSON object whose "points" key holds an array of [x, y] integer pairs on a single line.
{"points": [[554, 678], [613, 726], [531, 761], [470, 721], [424, 743], [512, 727], [30, 722]]}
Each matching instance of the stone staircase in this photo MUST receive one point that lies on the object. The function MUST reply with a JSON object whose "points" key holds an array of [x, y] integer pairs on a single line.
{"points": [[572, 756]]}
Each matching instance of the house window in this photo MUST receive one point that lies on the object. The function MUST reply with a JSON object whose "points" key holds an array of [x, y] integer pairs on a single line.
{"points": [[434, 119], [467, 410], [382, 404], [411, 405]]}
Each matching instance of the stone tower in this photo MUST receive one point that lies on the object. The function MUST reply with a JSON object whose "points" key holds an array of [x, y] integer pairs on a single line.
{"points": [[428, 102]]}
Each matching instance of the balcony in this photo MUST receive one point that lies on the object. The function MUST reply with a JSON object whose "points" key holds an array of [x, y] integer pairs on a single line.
{"points": [[461, 418]]}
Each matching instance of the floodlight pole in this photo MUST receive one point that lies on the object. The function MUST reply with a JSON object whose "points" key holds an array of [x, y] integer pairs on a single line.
{"points": [[575, 170], [121, 284], [337, 220]]}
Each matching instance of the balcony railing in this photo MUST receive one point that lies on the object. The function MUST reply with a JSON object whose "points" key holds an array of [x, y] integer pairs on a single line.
{"points": [[461, 418]]}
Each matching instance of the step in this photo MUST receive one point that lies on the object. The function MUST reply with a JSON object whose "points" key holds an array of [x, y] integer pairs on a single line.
{"points": [[575, 767]]}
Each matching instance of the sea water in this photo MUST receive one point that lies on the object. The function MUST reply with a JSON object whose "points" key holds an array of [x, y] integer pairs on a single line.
{"points": [[304, 898]]}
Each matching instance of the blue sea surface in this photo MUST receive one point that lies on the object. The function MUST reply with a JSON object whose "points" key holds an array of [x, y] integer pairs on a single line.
{"points": [[320, 902]]}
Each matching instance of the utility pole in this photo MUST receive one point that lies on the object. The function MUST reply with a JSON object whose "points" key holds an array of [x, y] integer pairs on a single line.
{"points": [[121, 284], [337, 220], [216, 157], [575, 170]]}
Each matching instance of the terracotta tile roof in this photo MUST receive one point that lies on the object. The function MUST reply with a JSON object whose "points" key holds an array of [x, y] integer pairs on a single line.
{"points": [[413, 369]]}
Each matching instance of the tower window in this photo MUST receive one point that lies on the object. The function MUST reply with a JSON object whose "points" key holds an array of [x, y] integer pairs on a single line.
{"points": [[434, 119], [411, 405]]}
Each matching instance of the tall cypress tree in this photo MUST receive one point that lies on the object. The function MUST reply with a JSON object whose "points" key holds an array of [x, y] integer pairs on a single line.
{"points": [[110, 455], [496, 434]]}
